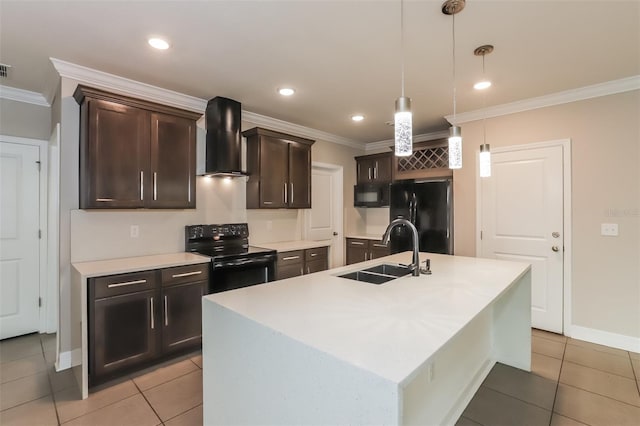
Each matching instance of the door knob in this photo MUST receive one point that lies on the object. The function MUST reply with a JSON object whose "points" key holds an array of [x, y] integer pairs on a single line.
{"points": [[555, 248], [335, 234], [555, 234]]}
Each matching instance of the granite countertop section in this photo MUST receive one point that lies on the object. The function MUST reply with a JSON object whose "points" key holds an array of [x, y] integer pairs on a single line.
{"points": [[140, 263], [376, 237], [295, 245], [389, 329]]}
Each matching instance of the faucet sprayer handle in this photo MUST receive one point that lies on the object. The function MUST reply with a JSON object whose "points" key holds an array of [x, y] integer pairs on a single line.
{"points": [[427, 267]]}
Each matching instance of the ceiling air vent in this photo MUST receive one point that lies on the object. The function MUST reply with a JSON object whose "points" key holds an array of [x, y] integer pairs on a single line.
{"points": [[4, 70]]}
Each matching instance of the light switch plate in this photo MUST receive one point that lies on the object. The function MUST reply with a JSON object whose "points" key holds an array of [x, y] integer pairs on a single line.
{"points": [[134, 231], [609, 229]]}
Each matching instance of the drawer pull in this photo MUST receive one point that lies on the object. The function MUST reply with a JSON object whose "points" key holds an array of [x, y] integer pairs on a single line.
{"points": [[104, 199], [291, 257], [166, 312], [314, 254], [127, 283], [267, 202], [153, 323], [380, 245], [356, 243], [186, 274]]}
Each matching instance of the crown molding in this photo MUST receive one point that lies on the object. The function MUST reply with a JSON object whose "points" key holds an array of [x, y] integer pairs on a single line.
{"points": [[103, 80], [20, 95], [106, 81], [296, 129], [588, 92], [371, 146]]}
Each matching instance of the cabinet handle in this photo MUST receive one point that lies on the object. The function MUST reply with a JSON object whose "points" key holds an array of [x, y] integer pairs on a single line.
{"points": [[127, 283], [291, 257], [104, 199], [189, 190], [285, 193], [141, 185], [186, 274], [365, 255], [369, 173], [155, 186], [379, 245], [314, 254], [301, 270], [356, 243], [358, 172], [291, 192], [308, 270], [153, 323], [267, 202], [166, 311], [375, 171]]}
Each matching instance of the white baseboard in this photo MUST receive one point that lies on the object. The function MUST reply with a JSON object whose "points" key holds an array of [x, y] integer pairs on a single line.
{"points": [[614, 340], [68, 359]]}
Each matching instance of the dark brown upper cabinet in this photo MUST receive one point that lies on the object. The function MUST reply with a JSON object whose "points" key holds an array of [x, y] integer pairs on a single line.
{"points": [[374, 168], [279, 168], [135, 154]]}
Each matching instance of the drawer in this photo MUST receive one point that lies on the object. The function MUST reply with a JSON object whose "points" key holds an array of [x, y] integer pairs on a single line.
{"points": [[357, 242], [288, 271], [377, 244], [185, 274], [113, 285], [318, 253], [290, 257]]}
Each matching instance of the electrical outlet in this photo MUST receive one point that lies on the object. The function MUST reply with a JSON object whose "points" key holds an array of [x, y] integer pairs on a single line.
{"points": [[134, 231], [609, 229]]}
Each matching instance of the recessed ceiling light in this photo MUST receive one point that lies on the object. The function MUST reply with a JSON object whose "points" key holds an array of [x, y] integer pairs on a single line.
{"points": [[286, 91], [357, 117], [481, 85], [158, 43]]}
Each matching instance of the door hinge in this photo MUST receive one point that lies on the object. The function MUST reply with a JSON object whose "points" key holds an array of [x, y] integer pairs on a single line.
{"points": [[39, 302], [480, 234], [39, 234], [39, 165]]}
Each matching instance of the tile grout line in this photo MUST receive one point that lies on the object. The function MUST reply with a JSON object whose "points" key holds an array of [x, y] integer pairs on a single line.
{"points": [[555, 396], [635, 373], [148, 403], [516, 398], [599, 369], [53, 398]]}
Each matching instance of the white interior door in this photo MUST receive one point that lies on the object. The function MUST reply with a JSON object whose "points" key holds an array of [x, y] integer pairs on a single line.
{"points": [[324, 219], [522, 220], [19, 245]]}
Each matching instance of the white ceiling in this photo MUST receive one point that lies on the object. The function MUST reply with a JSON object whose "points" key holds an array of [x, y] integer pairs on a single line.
{"points": [[343, 57]]}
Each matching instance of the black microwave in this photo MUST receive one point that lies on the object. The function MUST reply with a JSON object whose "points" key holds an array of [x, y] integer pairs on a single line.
{"points": [[371, 195]]}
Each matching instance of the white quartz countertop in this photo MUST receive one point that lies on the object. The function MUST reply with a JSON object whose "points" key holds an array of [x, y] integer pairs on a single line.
{"points": [[389, 329], [295, 245], [376, 237], [140, 263]]}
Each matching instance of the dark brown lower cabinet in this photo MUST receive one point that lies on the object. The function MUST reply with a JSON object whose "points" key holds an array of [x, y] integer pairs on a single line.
{"points": [[360, 249], [301, 262], [140, 318], [182, 316]]}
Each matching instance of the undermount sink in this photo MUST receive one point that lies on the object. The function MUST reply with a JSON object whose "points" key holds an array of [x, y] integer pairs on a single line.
{"points": [[379, 274]]}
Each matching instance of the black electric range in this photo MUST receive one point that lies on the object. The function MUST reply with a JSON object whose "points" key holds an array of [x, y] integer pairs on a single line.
{"points": [[234, 263]]}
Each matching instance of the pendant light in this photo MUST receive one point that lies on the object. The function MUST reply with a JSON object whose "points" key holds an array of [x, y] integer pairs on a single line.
{"points": [[403, 118], [485, 150], [452, 7], [484, 82]]}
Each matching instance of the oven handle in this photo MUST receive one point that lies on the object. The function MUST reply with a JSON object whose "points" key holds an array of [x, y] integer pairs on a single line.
{"points": [[242, 262]]}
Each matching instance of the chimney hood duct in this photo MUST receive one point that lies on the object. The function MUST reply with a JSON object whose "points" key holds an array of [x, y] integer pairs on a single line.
{"points": [[223, 149]]}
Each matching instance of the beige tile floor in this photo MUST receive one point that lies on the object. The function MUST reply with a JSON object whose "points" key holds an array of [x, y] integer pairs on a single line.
{"points": [[571, 383]]}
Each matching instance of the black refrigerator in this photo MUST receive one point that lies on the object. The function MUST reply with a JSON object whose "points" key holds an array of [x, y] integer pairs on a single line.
{"points": [[428, 205]]}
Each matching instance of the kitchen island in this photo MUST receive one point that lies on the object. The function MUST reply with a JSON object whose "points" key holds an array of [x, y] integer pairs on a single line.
{"points": [[321, 349]]}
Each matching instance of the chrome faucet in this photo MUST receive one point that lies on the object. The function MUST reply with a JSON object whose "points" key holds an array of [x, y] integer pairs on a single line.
{"points": [[415, 265]]}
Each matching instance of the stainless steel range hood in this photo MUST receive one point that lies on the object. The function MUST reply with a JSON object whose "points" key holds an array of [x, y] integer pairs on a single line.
{"points": [[223, 140]]}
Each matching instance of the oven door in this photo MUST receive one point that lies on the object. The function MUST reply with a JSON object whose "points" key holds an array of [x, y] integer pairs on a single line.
{"points": [[238, 273]]}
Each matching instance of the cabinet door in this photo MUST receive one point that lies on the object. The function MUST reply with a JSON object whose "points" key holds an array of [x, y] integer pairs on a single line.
{"points": [[382, 169], [315, 266], [357, 250], [299, 195], [377, 249], [274, 156], [114, 153], [182, 316], [173, 163], [122, 333]]}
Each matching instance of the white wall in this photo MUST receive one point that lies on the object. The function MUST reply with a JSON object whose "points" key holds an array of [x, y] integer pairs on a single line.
{"points": [[25, 120]]}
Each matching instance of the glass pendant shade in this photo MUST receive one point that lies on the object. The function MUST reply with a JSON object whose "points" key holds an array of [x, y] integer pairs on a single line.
{"points": [[485, 160], [403, 128], [455, 147]]}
